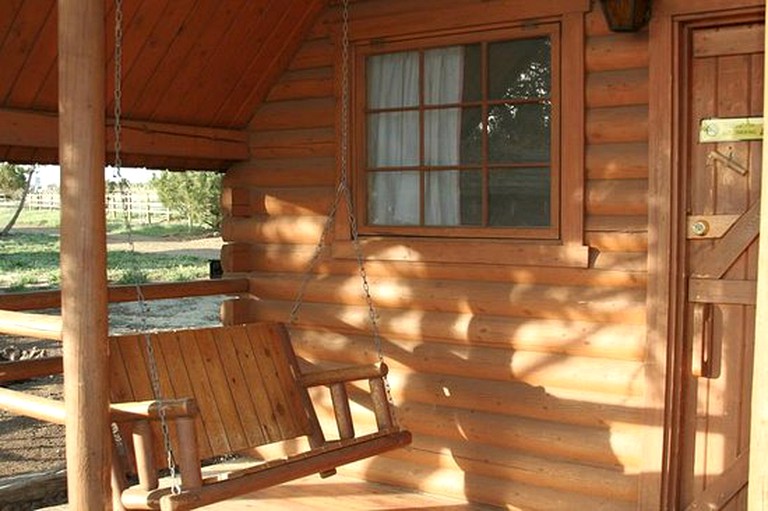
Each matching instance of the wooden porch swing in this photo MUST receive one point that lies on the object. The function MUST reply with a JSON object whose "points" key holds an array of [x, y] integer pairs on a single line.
{"points": [[229, 390], [180, 400]]}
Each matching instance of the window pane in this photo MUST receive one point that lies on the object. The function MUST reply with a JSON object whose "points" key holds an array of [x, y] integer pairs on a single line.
{"points": [[519, 69], [472, 136], [441, 136], [471, 198], [393, 198], [393, 139], [519, 197], [393, 80], [442, 196], [443, 70], [519, 133], [473, 72]]}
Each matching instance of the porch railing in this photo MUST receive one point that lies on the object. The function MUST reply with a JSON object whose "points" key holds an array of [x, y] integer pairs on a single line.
{"points": [[15, 321]]}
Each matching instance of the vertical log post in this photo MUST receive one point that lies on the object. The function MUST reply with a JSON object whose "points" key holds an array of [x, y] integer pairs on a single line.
{"points": [[146, 468], [341, 409], [381, 404], [758, 443], [83, 251], [189, 462]]}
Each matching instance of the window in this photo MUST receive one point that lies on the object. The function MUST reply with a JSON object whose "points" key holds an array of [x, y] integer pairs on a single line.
{"points": [[461, 136], [469, 135]]}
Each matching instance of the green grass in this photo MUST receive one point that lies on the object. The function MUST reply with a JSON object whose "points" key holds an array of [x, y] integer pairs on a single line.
{"points": [[163, 230], [31, 261], [41, 218]]}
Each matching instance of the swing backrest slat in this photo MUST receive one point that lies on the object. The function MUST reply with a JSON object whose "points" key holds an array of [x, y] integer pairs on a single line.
{"points": [[244, 378]]}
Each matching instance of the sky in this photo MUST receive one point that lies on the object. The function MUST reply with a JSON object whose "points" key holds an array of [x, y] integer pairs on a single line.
{"points": [[50, 175]]}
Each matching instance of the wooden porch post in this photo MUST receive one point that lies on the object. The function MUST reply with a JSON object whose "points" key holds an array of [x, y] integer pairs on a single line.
{"points": [[758, 443], [83, 251]]}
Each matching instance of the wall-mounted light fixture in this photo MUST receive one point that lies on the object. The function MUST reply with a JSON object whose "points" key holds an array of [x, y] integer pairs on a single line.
{"points": [[626, 15]]}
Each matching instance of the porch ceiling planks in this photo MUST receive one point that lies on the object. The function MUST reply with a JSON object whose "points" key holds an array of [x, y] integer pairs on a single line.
{"points": [[191, 63]]}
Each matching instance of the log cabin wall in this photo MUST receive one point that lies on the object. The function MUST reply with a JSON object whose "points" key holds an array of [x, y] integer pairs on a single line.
{"points": [[523, 385]]}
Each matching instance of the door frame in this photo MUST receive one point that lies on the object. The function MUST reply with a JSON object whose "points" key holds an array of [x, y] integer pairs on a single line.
{"points": [[672, 19]]}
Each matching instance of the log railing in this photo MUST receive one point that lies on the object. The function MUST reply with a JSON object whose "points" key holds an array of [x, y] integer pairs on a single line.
{"points": [[25, 324], [37, 300], [30, 368], [45, 326]]}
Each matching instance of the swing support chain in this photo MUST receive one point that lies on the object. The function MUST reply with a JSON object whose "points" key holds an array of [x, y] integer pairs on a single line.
{"points": [[142, 303], [343, 192]]}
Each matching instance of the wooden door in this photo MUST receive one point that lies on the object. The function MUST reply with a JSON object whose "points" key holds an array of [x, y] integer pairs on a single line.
{"points": [[724, 69]]}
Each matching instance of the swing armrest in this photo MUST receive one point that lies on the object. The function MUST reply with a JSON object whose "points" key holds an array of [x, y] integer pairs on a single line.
{"points": [[344, 375], [336, 380], [151, 410], [181, 413]]}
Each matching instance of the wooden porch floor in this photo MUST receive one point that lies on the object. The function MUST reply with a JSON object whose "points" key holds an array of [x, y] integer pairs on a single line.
{"points": [[315, 494]]}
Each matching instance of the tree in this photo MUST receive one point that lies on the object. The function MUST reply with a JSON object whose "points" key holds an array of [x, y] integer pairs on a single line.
{"points": [[13, 179], [15, 182], [193, 195]]}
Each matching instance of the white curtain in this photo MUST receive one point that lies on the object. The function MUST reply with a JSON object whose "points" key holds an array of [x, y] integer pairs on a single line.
{"points": [[443, 73], [393, 137]]}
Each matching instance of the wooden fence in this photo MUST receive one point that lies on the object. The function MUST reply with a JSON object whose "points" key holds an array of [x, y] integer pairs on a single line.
{"points": [[143, 205]]}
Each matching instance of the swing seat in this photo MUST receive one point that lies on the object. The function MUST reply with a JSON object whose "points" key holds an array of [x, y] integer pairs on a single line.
{"points": [[228, 390]]}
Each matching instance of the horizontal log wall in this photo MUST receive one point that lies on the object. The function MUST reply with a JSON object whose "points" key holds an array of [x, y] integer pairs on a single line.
{"points": [[617, 94], [523, 386]]}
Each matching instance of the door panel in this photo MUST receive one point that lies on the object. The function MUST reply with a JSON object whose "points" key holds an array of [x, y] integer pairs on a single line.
{"points": [[725, 79]]}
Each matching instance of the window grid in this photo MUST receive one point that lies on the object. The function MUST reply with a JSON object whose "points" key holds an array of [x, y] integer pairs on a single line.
{"points": [[485, 166]]}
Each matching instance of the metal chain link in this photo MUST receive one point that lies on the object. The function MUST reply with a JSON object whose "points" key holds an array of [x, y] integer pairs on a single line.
{"points": [[345, 100], [118, 87], [124, 195], [316, 256], [343, 191]]}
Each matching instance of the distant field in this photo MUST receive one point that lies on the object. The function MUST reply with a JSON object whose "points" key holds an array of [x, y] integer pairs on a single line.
{"points": [[49, 219]]}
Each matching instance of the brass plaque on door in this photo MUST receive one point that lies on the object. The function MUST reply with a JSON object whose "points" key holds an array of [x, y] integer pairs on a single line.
{"points": [[737, 129]]}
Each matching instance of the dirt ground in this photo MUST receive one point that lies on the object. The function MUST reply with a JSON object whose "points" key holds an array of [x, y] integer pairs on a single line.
{"points": [[30, 446], [204, 248]]}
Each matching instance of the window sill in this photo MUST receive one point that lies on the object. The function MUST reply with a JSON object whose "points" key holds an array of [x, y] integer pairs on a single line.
{"points": [[499, 252]]}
